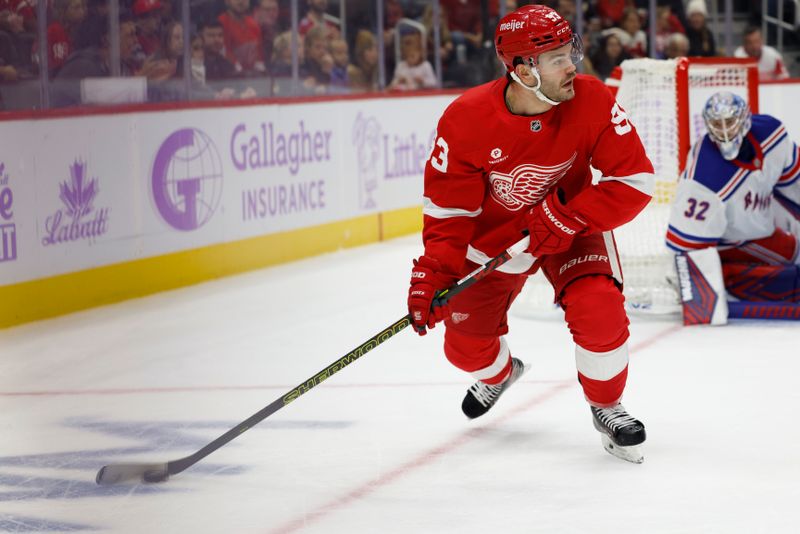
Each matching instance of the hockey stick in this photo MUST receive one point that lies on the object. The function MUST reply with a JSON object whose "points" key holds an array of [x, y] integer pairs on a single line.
{"points": [[160, 472]]}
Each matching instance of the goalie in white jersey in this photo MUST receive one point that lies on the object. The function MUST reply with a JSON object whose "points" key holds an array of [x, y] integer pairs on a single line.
{"points": [[740, 193]]}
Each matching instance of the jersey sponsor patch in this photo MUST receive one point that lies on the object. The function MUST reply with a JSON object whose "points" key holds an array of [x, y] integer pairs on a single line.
{"points": [[496, 156], [527, 184]]}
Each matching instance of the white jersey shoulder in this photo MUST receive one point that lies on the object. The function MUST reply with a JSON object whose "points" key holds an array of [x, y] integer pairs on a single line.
{"points": [[723, 203]]}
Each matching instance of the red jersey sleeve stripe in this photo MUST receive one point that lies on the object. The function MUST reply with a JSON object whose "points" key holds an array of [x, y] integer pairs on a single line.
{"points": [[438, 212]]}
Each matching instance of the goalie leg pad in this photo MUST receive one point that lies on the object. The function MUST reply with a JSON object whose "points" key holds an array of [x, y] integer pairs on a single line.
{"points": [[780, 247], [702, 290], [774, 283]]}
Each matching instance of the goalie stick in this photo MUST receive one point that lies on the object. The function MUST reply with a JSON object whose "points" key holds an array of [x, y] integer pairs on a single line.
{"points": [[160, 472]]}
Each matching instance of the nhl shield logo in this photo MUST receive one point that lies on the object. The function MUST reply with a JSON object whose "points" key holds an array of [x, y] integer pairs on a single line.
{"points": [[536, 125]]}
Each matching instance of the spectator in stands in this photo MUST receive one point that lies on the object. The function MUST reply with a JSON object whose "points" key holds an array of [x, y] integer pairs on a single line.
{"points": [[318, 62], [586, 65], [466, 28], [446, 47], [611, 12], [19, 14], [167, 11], [266, 14], [414, 72], [210, 65], [91, 57], [8, 52], [770, 62], [165, 66], [98, 7], [567, 10], [169, 56], [148, 25], [666, 24], [315, 17], [701, 39], [608, 55], [633, 39], [217, 66], [17, 27], [281, 65], [677, 46], [243, 40], [340, 80], [67, 14], [363, 73], [392, 14], [198, 66]]}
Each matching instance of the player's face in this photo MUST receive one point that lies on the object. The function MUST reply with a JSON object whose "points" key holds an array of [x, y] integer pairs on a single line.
{"points": [[752, 44], [557, 70], [213, 39]]}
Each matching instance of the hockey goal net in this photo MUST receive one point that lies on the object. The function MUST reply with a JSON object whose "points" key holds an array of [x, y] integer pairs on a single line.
{"points": [[664, 100]]}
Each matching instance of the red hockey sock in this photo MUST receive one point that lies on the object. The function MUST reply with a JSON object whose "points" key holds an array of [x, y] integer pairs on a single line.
{"points": [[596, 318], [486, 358]]}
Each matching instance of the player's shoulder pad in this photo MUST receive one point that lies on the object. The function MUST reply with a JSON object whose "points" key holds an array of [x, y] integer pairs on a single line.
{"points": [[465, 113], [707, 166], [591, 84], [593, 101], [767, 130]]}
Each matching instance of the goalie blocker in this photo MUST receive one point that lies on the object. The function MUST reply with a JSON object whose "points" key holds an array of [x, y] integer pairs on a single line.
{"points": [[703, 294]]}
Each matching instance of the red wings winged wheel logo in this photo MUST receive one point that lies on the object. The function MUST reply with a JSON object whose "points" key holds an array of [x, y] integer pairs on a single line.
{"points": [[527, 184]]}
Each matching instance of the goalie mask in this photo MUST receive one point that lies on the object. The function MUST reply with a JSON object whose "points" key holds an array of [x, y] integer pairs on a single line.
{"points": [[728, 119], [530, 31]]}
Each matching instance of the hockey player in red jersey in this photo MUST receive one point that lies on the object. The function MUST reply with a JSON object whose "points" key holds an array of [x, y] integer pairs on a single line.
{"points": [[514, 154]]}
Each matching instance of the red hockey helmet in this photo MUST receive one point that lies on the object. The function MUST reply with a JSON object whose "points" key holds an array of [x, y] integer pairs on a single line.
{"points": [[529, 31]]}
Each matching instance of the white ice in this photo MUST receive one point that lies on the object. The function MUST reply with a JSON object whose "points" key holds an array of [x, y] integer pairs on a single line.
{"points": [[382, 446]]}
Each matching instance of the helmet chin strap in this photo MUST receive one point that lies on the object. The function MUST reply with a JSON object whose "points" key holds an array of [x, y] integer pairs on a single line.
{"points": [[535, 90]]}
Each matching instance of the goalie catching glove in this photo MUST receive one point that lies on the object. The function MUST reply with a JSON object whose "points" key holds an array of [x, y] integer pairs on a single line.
{"points": [[426, 279], [552, 225]]}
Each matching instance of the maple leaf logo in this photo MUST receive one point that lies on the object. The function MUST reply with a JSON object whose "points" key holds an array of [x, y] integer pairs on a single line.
{"points": [[78, 194]]}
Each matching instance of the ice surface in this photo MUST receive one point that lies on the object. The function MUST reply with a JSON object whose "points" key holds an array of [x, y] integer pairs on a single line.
{"points": [[382, 446]]}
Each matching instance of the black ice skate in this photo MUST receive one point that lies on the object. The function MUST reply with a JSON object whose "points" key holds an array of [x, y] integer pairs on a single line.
{"points": [[480, 396], [622, 435]]}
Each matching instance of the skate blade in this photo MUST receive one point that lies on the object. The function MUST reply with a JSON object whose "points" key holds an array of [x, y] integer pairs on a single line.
{"points": [[631, 454]]}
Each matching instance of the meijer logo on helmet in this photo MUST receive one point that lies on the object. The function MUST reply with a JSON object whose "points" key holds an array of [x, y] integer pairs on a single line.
{"points": [[512, 25]]}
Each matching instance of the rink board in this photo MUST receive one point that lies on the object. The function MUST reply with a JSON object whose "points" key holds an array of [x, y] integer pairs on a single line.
{"points": [[48, 297], [146, 201], [141, 202]]}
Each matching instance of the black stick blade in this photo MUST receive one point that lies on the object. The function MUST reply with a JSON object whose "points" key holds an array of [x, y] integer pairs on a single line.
{"points": [[119, 473]]}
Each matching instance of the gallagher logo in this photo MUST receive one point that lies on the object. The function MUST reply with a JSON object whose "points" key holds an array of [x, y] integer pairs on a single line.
{"points": [[187, 179]]}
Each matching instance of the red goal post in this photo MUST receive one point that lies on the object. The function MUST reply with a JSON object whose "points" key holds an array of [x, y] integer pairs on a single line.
{"points": [[664, 100]]}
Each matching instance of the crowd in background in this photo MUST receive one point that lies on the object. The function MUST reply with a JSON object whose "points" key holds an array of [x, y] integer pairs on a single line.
{"points": [[245, 48]]}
